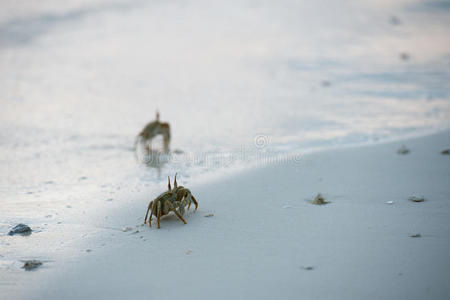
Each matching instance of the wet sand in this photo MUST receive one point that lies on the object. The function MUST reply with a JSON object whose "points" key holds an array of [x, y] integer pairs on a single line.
{"points": [[267, 240]]}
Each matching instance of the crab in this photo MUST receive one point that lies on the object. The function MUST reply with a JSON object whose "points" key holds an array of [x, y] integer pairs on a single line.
{"points": [[174, 200]]}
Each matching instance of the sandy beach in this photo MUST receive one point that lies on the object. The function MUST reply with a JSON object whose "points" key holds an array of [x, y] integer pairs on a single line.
{"points": [[258, 106], [266, 240]]}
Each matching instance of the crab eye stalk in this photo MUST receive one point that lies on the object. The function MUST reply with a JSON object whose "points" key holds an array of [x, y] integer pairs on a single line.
{"points": [[175, 182]]}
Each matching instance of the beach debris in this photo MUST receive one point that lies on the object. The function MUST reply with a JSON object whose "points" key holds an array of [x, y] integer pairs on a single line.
{"points": [[394, 20], [416, 198], [319, 200], [127, 228], [208, 215], [174, 200], [326, 83], [188, 251], [31, 264], [389, 202], [21, 229], [404, 56], [403, 150], [416, 235], [445, 152]]}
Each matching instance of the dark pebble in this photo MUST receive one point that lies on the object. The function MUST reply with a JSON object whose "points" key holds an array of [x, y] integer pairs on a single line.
{"points": [[31, 265], [20, 229]]}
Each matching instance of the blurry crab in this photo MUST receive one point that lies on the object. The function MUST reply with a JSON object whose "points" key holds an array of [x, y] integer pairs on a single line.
{"points": [[174, 200]]}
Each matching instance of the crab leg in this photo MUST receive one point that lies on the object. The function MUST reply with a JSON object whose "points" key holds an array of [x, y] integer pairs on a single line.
{"points": [[158, 213], [179, 216], [177, 213], [151, 214], [170, 188], [149, 205], [195, 202]]}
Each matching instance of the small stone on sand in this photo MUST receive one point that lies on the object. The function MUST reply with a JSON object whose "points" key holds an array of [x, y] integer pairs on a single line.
{"points": [[416, 198], [208, 215], [127, 228], [389, 202], [31, 264], [403, 150], [319, 200], [417, 235], [445, 152], [20, 229], [404, 56], [325, 83], [394, 20]]}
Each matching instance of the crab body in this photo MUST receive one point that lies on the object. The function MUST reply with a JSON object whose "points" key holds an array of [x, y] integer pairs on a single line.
{"points": [[175, 200]]}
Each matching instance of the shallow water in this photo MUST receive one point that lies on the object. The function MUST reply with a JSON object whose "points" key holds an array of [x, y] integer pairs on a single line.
{"points": [[240, 82]]}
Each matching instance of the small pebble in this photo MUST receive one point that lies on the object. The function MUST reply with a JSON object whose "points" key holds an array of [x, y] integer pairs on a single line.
{"points": [[319, 200], [88, 250], [20, 229], [31, 264], [127, 228], [208, 215], [394, 20], [389, 202], [308, 268], [404, 56], [403, 150], [417, 235], [189, 251], [416, 198], [445, 152], [326, 83]]}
